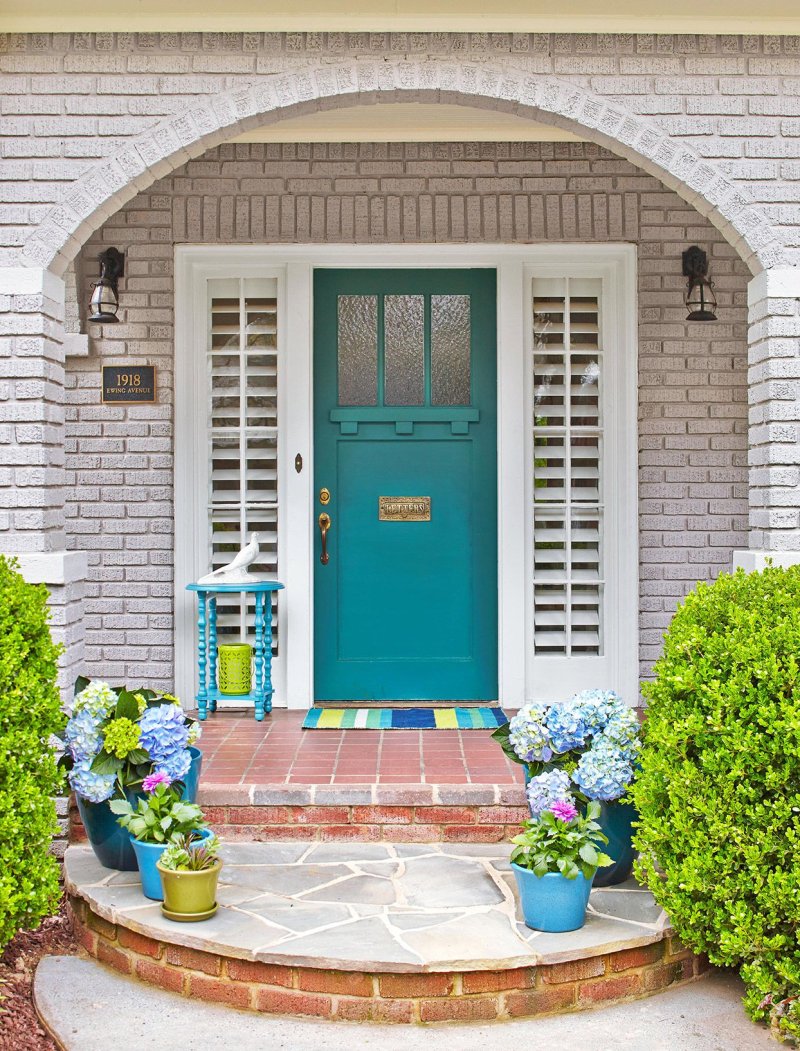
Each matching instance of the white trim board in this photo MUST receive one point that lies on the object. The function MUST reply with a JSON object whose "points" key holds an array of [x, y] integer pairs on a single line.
{"points": [[293, 265]]}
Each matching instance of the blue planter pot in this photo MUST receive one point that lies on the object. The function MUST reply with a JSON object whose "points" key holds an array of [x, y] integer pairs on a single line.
{"points": [[112, 843], [552, 902], [616, 820], [147, 854]]}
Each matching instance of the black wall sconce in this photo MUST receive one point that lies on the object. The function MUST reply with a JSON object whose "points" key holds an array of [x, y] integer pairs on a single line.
{"points": [[105, 302], [699, 295]]}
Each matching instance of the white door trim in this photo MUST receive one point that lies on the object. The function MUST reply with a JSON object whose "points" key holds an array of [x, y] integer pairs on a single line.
{"points": [[293, 265]]}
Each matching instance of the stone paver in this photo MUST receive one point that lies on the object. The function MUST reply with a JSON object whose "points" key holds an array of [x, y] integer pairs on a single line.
{"points": [[89, 1008], [370, 906]]}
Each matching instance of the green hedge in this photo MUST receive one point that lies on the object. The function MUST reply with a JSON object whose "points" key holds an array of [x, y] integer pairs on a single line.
{"points": [[30, 712], [719, 788]]}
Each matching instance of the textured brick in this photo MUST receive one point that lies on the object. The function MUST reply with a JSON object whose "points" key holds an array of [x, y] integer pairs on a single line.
{"points": [[114, 957], [259, 973], [498, 981], [193, 959], [540, 1001], [415, 985], [346, 983], [466, 1010], [573, 970], [218, 991], [640, 957], [157, 974], [139, 943], [610, 988], [280, 1001]]}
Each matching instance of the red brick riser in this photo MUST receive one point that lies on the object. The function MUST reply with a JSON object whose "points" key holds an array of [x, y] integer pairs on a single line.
{"points": [[370, 824], [401, 998]]}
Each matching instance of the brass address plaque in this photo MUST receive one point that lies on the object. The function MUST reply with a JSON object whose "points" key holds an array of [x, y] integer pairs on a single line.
{"points": [[404, 508]]}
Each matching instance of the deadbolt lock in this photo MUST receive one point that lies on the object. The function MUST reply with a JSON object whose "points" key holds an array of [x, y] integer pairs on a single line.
{"points": [[324, 496]]}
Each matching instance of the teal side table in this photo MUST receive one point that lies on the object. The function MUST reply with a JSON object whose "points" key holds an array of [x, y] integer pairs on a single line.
{"points": [[208, 693]]}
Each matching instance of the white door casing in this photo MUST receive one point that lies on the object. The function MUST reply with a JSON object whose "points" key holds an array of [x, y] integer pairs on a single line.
{"points": [[523, 674]]}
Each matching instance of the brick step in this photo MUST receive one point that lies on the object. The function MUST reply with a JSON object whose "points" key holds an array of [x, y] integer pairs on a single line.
{"points": [[399, 933], [371, 813]]}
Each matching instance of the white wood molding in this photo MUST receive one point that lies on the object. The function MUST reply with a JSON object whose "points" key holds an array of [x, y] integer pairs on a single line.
{"points": [[294, 265]]}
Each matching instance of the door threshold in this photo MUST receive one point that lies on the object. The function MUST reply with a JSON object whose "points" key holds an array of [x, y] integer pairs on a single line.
{"points": [[406, 704]]}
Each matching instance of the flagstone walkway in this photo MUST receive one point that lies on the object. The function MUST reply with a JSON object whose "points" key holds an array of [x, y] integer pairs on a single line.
{"points": [[374, 906]]}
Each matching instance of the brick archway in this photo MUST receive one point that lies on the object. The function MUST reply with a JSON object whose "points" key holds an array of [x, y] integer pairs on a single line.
{"points": [[176, 139]]}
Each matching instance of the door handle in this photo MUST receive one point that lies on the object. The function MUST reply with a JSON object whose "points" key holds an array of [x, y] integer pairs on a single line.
{"points": [[324, 525]]}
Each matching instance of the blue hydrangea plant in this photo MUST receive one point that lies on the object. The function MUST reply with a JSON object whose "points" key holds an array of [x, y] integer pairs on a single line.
{"points": [[115, 737], [582, 749]]}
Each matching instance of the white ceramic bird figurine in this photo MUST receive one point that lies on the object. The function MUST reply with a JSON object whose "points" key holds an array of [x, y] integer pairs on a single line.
{"points": [[237, 571]]}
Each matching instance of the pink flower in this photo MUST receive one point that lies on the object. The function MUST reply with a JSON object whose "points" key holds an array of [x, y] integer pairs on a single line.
{"points": [[563, 810], [152, 781]]}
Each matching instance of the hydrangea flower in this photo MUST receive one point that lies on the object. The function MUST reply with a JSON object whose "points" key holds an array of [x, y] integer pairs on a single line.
{"points": [[603, 773], [566, 727], [164, 732], [82, 735], [152, 781], [623, 733], [96, 788], [552, 786], [120, 737], [175, 766], [598, 708], [97, 698], [564, 811], [195, 731], [528, 735]]}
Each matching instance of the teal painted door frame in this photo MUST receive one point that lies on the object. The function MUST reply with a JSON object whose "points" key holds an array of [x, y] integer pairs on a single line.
{"points": [[405, 610]]}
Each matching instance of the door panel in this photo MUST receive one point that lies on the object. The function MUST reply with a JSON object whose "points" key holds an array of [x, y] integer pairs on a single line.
{"points": [[405, 395]]}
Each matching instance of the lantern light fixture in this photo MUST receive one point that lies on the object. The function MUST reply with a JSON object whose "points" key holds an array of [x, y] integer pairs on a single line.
{"points": [[699, 295], [105, 302]]}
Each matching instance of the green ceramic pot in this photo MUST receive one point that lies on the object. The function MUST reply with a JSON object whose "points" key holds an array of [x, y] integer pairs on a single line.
{"points": [[189, 896], [235, 668]]}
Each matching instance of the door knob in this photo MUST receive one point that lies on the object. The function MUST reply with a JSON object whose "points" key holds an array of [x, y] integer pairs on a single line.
{"points": [[324, 525]]}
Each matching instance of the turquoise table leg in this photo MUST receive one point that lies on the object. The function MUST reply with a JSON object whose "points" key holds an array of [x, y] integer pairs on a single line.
{"points": [[259, 658], [202, 693], [268, 650], [212, 651]]}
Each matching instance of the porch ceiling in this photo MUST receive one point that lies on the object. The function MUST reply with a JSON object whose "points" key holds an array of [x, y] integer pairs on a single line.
{"points": [[408, 122], [581, 16]]}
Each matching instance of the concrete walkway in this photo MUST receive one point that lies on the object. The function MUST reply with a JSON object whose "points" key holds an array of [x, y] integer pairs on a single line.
{"points": [[89, 1008]]}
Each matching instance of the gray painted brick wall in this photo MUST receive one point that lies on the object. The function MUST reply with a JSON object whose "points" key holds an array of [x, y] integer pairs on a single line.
{"points": [[692, 378], [71, 99]]}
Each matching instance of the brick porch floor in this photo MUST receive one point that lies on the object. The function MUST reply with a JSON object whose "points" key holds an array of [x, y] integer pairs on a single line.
{"points": [[239, 751]]}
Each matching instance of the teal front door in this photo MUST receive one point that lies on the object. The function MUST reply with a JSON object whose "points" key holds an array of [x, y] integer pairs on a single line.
{"points": [[405, 488]]}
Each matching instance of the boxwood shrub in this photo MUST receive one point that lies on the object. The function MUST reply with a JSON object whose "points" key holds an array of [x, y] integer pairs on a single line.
{"points": [[719, 787], [30, 712]]}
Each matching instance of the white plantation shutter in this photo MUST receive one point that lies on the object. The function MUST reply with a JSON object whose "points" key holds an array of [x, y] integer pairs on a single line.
{"points": [[568, 580], [242, 435]]}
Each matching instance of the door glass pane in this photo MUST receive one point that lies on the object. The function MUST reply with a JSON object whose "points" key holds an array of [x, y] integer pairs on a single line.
{"points": [[404, 350], [358, 350], [450, 350]]}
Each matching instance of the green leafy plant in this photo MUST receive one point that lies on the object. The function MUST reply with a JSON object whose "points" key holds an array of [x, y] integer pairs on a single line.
{"points": [[30, 713], [183, 856], [563, 841], [160, 816], [719, 787]]}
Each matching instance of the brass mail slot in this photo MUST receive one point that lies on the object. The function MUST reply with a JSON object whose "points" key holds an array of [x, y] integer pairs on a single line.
{"points": [[404, 508]]}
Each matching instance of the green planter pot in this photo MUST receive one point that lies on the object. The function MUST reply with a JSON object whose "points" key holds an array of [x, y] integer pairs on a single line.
{"points": [[189, 896]]}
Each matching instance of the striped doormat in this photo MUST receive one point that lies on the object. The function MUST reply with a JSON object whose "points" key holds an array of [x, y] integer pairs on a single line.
{"points": [[404, 719]]}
